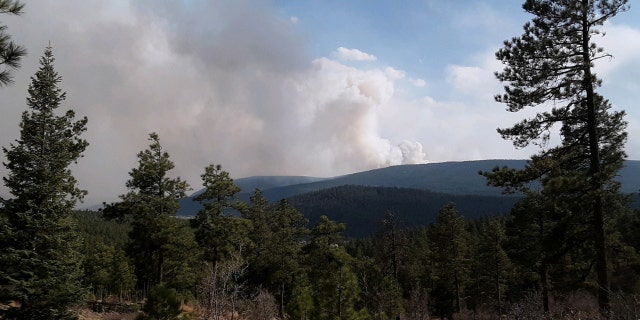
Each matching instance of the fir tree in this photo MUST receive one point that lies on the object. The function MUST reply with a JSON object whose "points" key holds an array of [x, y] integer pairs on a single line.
{"points": [[39, 244]]}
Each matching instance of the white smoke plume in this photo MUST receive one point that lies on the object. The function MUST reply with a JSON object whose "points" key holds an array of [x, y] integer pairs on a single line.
{"points": [[221, 82]]}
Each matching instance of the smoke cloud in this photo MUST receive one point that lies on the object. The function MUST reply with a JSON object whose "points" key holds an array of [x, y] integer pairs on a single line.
{"points": [[220, 82], [234, 83]]}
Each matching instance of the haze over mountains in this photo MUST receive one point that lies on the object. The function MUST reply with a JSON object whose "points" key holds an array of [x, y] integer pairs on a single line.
{"points": [[414, 192]]}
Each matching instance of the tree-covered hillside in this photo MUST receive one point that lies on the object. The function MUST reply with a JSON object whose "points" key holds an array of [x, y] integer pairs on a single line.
{"points": [[362, 208]]}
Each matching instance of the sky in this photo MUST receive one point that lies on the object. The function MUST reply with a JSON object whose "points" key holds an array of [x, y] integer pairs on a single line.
{"points": [[287, 87]]}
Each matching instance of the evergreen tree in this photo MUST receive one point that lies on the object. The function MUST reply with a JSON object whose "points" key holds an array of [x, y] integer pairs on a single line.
{"points": [[334, 285], [157, 236], [449, 247], [218, 234], [10, 53], [551, 66], [495, 266], [530, 243], [219, 192], [39, 244], [390, 255], [278, 233], [391, 244], [107, 271], [288, 229], [258, 212]]}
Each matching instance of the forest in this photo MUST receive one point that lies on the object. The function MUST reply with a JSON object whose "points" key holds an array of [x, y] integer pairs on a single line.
{"points": [[567, 249], [362, 208]]}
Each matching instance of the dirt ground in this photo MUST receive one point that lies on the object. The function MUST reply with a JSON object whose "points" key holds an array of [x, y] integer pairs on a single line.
{"points": [[114, 311], [87, 314]]}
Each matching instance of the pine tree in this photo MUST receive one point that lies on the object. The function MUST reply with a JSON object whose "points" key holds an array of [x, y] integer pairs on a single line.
{"points": [[495, 265], [10, 53], [220, 235], [258, 213], [152, 204], [335, 288], [448, 242], [278, 232], [551, 66], [390, 256], [39, 244], [391, 244], [288, 229]]}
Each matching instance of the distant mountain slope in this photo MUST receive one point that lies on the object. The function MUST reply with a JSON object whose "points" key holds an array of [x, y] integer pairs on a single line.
{"points": [[249, 184], [455, 178], [629, 176], [446, 177], [189, 207], [459, 178], [362, 208]]}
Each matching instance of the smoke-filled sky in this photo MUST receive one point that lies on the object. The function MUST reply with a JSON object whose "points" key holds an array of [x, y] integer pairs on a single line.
{"points": [[284, 87]]}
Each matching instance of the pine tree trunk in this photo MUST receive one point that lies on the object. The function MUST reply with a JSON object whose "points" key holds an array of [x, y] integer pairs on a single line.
{"points": [[497, 284], [160, 263], [281, 306], [594, 171], [457, 280], [545, 287]]}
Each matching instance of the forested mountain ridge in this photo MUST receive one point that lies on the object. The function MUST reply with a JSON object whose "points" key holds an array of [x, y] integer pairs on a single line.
{"points": [[362, 208], [451, 178], [249, 184], [445, 177]]}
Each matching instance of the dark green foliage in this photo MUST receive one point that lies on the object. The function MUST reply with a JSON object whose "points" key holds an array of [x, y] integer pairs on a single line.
{"points": [[390, 257], [416, 267], [288, 228], [162, 248], [39, 244], [107, 272], [218, 194], [550, 66], [334, 285], [362, 208], [10, 53], [623, 251], [452, 178], [219, 235], [163, 303], [448, 241], [492, 268], [628, 224], [380, 293], [96, 229], [274, 260]]}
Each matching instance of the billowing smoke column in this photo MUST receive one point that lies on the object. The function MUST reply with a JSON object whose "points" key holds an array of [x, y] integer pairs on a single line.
{"points": [[220, 82], [260, 107]]}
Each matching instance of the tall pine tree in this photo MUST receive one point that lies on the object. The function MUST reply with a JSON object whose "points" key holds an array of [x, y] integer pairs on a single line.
{"points": [[156, 237], [448, 240], [40, 263], [334, 285], [551, 66], [220, 235]]}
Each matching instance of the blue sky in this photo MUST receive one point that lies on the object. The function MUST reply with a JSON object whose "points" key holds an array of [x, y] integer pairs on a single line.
{"points": [[318, 88], [422, 37], [412, 34]]}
